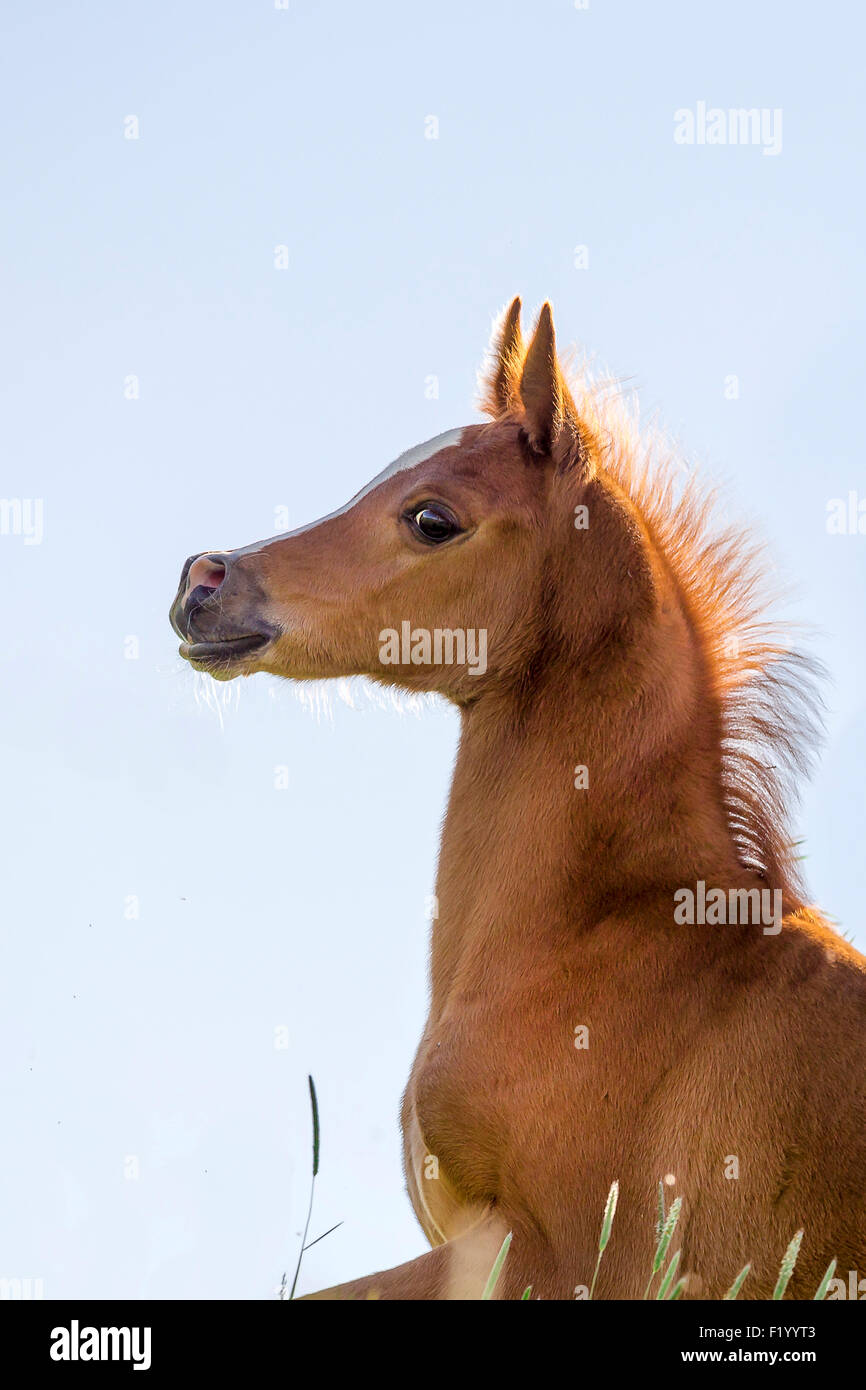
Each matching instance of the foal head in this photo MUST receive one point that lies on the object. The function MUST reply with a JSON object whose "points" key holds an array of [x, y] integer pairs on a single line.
{"points": [[555, 558], [468, 564]]}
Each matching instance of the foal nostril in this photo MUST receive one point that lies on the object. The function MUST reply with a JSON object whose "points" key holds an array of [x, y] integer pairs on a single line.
{"points": [[207, 572]]}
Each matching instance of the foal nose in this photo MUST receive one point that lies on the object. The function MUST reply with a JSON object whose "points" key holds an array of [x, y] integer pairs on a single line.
{"points": [[208, 573]]}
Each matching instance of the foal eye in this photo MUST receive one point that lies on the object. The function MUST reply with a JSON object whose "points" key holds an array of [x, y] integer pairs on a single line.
{"points": [[435, 523]]}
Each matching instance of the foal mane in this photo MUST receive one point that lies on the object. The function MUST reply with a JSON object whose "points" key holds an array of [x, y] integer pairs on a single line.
{"points": [[767, 691]]}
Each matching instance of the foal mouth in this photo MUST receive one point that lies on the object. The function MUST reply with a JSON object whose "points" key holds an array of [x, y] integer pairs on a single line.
{"points": [[219, 621], [224, 652]]}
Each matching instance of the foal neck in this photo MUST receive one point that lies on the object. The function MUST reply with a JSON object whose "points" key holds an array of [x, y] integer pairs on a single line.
{"points": [[602, 788]]}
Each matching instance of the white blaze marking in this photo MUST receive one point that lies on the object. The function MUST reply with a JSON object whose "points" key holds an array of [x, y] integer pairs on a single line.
{"points": [[411, 459]]}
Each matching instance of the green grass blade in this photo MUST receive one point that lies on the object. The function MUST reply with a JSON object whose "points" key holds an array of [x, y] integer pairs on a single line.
{"points": [[329, 1232], [526, 1293], [493, 1278], [315, 1107], [665, 1239], [667, 1234], [609, 1214], [660, 1219], [789, 1259], [606, 1227], [734, 1290], [825, 1283], [678, 1291], [668, 1279]]}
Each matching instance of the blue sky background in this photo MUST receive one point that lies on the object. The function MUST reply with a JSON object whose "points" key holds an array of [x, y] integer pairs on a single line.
{"points": [[148, 1045]]}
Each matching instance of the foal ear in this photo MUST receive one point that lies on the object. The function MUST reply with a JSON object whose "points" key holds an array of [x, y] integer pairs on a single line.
{"points": [[551, 418], [502, 388]]}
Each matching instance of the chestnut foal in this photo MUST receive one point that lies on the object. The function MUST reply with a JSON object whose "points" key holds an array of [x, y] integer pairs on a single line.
{"points": [[628, 749]]}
